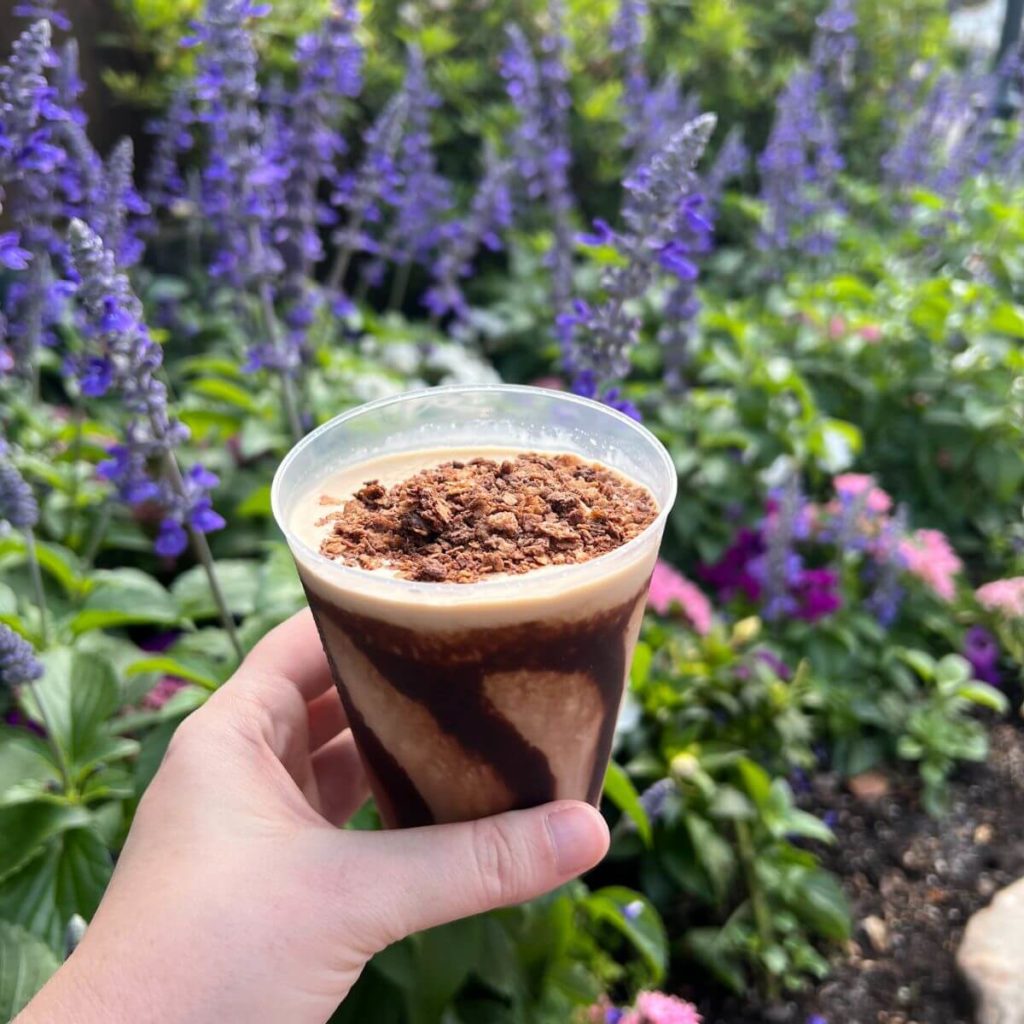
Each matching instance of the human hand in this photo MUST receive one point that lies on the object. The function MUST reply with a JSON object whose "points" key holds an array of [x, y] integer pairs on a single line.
{"points": [[237, 898]]}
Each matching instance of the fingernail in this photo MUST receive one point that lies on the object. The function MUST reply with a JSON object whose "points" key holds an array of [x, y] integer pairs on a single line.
{"points": [[574, 836]]}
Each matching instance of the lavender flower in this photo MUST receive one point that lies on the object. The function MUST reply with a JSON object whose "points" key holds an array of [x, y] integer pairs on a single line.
{"points": [[375, 182], [68, 84], [43, 9], [834, 47], [886, 570], [489, 215], [240, 187], [539, 91], [18, 507], [730, 162], [165, 186], [425, 196], [12, 256], [798, 169], [330, 70], [628, 36], [18, 661], [123, 358], [26, 100], [779, 571], [654, 798], [116, 219], [660, 212]]}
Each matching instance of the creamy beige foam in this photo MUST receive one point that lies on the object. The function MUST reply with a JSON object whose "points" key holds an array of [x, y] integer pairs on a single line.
{"points": [[547, 593]]}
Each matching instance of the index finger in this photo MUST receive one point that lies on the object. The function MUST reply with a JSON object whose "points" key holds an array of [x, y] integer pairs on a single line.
{"points": [[289, 659]]}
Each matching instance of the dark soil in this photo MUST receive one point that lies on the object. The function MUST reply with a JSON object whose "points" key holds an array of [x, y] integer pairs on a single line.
{"points": [[912, 882]]}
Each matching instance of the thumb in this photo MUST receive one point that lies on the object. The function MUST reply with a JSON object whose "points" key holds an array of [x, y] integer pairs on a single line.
{"points": [[424, 877]]}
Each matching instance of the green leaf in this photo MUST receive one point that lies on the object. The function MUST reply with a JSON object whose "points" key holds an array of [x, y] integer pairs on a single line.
{"points": [[756, 781], [78, 694], [952, 671], [984, 695], [193, 669], [58, 562], [67, 878], [26, 828], [224, 391], [641, 667], [642, 926], [26, 964], [619, 788], [715, 855], [800, 823], [256, 504], [709, 947], [239, 581], [123, 597], [26, 766], [822, 904]]}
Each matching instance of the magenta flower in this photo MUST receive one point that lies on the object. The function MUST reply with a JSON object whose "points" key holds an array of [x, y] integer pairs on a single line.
{"points": [[658, 1008], [670, 588]]}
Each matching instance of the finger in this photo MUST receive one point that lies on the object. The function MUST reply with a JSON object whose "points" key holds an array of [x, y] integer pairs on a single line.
{"points": [[423, 877], [289, 657], [326, 719], [340, 779]]}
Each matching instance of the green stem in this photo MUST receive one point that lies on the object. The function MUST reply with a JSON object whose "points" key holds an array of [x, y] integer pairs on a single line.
{"points": [[37, 583], [98, 533], [76, 458], [399, 285], [205, 556], [762, 914]]}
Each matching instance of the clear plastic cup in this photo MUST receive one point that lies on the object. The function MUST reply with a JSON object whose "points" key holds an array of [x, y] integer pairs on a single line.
{"points": [[468, 699]]}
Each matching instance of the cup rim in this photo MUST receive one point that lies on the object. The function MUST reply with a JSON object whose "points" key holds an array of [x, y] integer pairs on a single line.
{"points": [[487, 585]]}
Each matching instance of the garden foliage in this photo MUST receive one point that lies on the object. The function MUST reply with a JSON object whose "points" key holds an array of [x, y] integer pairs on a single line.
{"points": [[814, 302]]}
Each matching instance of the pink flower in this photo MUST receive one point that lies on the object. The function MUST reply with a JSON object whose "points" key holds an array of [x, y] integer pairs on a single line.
{"points": [[658, 1008], [1003, 596], [871, 333], [669, 587], [853, 485], [164, 690], [929, 557], [552, 383], [836, 327]]}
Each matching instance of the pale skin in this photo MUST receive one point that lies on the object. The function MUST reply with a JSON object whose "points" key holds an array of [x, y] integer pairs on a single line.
{"points": [[238, 898]]}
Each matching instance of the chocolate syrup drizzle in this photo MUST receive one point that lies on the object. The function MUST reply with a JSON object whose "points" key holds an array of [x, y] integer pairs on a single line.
{"points": [[445, 674]]}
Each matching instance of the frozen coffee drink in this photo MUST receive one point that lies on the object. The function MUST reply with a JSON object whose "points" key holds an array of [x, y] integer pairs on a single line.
{"points": [[477, 562]]}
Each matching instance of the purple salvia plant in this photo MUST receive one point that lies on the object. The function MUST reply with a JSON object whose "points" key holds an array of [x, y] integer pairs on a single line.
{"points": [[539, 90], [424, 197], [68, 84], [798, 170], [660, 213], [834, 47], [667, 109], [121, 206], [330, 64], [731, 161], [628, 36], [43, 9], [363, 193], [18, 662], [165, 185], [242, 187], [886, 570], [490, 215], [18, 507], [780, 569], [123, 359]]}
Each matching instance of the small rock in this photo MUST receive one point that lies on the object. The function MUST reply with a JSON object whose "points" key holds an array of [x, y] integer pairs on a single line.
{"points": [[991, 958], [983, 835], [869, 786], [877, 933], [986, 886]]}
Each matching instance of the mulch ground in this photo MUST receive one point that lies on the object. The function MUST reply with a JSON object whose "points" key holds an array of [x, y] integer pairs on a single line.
{"points": [[913, 882]]}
